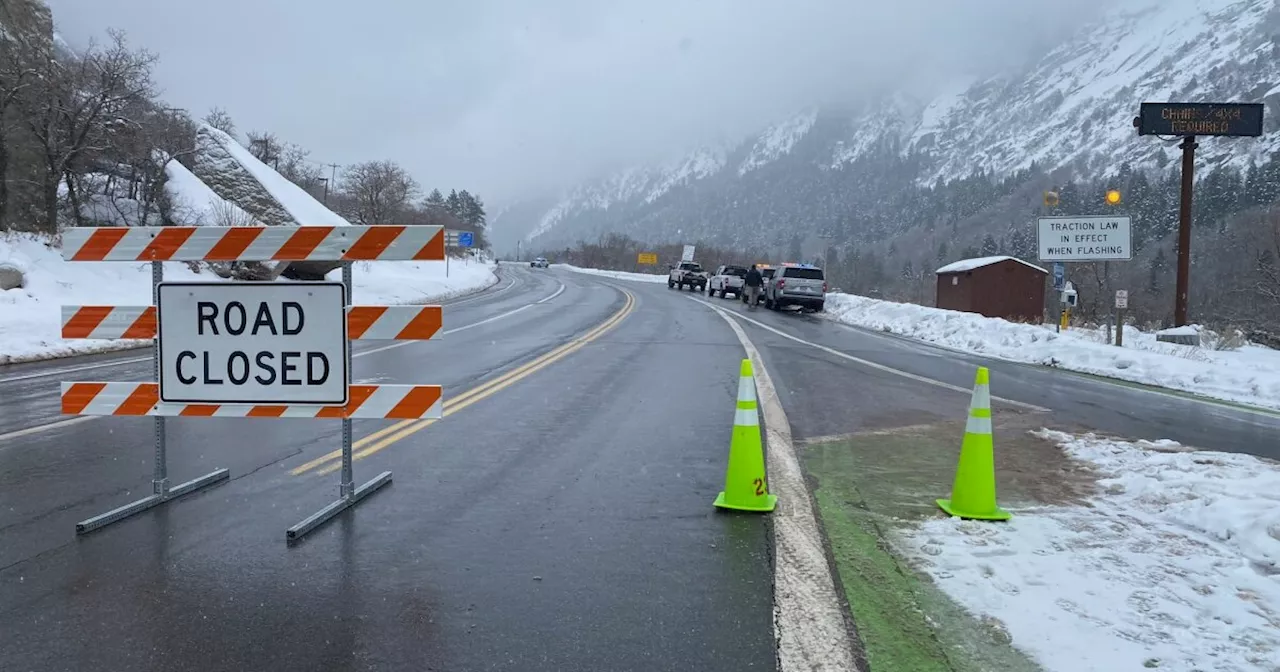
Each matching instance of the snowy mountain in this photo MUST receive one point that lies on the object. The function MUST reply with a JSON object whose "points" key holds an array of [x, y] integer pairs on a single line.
{"points": [[1071, 111]]}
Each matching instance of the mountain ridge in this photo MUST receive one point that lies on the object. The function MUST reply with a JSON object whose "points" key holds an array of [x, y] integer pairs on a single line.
{"points": [[1069, 111]]}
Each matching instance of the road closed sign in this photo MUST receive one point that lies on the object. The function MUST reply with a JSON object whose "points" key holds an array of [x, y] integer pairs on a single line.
{"points": [[259, 343]]}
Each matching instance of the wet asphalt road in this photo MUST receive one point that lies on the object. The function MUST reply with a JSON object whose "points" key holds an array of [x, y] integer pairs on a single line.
{"points": [[562, 523]]}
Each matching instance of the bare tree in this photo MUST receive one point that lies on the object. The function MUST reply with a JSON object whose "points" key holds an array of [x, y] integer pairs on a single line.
{"points": [[381, 192], [289, 159], [296, 167], [78, 105], [266, 147], [221, 120]]}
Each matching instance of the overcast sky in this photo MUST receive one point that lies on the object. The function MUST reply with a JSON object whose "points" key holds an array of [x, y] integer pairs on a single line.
{"points": [[508, 96]]}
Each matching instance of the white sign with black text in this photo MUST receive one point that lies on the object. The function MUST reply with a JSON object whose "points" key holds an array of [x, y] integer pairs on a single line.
{"points": [[253, 343], [687, 255], [1087, 238], [1122, 298]]}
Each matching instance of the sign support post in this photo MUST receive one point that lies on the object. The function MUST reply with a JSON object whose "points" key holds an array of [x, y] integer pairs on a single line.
{"points": [[1188, 120], [1184, 231], [160, 490], [348, 486]]}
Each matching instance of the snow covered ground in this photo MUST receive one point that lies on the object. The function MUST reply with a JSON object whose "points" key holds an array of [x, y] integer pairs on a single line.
{"points": [[31, 318], [1249, 374], [1175, 566], [617, 275]]}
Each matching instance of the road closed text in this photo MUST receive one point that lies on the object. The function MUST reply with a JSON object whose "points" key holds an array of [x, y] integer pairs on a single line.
{"points": [[266, 367], [259, 343]]}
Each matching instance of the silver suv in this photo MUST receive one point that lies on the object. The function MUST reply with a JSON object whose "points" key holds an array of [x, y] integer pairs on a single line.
{"points": [[800, 285]]}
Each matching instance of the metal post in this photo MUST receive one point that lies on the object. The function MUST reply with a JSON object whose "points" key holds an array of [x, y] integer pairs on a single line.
{"points": [[1106, 296], [160, 490], [160, 471], [348, 486], [1184, 231], [348, 494]]}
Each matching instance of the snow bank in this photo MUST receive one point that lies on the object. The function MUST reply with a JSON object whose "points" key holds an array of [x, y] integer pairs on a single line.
{"points": [[1175, 566], [403, 282], [31, 317], [1250, 374], [617, 275]]}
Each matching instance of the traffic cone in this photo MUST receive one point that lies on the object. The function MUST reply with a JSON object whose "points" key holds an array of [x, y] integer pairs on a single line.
{"points": [[974, 493], [745, 487]]}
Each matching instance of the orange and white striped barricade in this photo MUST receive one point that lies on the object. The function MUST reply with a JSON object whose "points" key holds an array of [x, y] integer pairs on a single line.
{"points": [[251, 349]]}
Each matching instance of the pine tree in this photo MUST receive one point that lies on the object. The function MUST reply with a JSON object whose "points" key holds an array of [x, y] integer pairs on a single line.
{"points": [[989, 246], [435, 199], [453, 203], [470, 209], [1159, 266]]}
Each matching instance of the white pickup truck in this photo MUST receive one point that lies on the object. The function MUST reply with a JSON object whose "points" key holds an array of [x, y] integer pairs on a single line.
{"points": [[727, 280], [688, 274]]}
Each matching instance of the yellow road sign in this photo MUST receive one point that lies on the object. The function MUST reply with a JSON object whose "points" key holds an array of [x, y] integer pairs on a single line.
{"points": [[647, 258]]}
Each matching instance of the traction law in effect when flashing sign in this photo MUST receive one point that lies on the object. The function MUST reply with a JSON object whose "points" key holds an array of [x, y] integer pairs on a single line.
{"points": [[253, 343], [1092, 238]]}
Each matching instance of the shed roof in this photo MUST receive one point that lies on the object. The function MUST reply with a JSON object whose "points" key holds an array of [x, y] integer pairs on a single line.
{"points": [[970, 264]]}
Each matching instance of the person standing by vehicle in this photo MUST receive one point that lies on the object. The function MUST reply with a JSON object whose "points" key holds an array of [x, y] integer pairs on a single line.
{"points": [[753, 282]]}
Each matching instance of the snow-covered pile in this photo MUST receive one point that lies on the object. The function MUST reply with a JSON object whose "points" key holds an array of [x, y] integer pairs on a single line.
{"points": [[31, 316], [1175, 566], [195, 204], [223, 163], [617, 275], [1249, 374]]}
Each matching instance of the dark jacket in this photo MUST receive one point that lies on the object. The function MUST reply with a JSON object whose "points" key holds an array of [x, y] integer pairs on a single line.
{"points": [[753, 279]]}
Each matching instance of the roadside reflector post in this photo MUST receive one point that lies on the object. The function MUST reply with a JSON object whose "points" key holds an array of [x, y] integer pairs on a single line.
{"points": [[252, 339]]}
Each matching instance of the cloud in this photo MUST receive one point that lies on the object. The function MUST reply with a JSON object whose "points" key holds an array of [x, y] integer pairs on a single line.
{"points": [[508, 96]]}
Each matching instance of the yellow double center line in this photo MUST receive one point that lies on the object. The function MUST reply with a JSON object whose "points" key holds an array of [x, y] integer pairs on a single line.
{"points": [[366, 446]]}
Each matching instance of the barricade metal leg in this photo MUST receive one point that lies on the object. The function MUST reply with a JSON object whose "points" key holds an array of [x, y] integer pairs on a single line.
{"points": [[161, 492], [348, 494]]}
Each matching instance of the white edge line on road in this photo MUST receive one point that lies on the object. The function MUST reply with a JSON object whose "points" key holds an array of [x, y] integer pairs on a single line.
{"points": [[873, 365], [558, 292], [399, 344], [808, 616]]}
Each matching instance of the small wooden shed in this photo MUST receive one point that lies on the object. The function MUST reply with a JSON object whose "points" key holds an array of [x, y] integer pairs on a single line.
{"points": [[1002, 286]]}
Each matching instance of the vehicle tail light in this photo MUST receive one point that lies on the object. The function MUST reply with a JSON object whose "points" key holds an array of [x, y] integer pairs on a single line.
{"points": [[824, 287], [781, 284]]}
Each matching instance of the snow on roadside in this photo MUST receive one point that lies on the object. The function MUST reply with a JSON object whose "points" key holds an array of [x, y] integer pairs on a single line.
{"points": [[1249, 375], [617, 275], [1174, 566], [31, 316]]}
